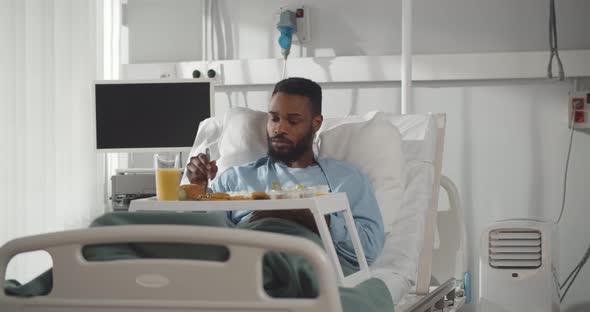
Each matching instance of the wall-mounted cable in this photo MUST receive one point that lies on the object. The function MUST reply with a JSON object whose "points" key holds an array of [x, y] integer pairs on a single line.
{"points": [[574, 274], [567, 163], [553, 44], [203, 31]]}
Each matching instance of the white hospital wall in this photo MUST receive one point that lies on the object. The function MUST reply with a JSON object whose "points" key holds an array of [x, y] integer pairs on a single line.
{"points": [[505, 149], [170, 30], [506, 140]]}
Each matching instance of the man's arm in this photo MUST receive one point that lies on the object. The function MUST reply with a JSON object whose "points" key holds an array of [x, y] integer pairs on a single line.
{"points": [[224, 183], [367, 218]]}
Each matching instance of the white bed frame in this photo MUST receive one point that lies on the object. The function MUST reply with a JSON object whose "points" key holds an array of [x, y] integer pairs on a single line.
{"points": [[141, 279], [444, 297], [167, 284], [425, 268]]}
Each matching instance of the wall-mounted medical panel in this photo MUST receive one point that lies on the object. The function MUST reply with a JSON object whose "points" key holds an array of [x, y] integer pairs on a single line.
{"points": [[439, 67], [579, 109]]}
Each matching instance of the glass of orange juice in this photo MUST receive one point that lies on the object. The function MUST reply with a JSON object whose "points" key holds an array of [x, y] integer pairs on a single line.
{"points": [[167, 175]]}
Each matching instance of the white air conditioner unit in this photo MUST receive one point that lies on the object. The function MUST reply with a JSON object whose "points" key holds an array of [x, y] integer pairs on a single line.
{"points": [[517, 267]]}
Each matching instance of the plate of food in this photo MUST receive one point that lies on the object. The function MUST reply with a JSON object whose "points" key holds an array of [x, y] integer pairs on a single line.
{"points": [[198, 192]]}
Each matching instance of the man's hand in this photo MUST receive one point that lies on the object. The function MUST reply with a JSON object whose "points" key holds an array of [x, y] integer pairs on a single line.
{"points": [[200, 169]]}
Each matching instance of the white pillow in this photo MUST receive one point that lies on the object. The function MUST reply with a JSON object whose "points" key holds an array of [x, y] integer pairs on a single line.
{"points": [[374, 146], [243, 139]]}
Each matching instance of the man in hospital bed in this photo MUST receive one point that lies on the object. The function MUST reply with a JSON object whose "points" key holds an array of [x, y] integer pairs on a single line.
{"points": [[294, 118]]}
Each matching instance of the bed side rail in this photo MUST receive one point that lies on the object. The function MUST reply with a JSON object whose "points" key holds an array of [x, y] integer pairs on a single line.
{"points": [[440, 299]]}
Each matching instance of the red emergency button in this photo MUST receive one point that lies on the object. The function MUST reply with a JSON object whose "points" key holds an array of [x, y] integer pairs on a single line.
{"points": [[299, 12], [578, 103], [579, 117]]}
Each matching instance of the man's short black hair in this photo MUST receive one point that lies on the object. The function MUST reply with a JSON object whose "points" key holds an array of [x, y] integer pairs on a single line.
{"points": [[304, 87]]}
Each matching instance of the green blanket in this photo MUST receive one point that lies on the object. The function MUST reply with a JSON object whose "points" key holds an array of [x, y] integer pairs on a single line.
{"points": [[284, 275]]}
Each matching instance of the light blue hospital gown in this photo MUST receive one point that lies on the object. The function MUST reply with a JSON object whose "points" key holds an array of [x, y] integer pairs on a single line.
{"points": [[340, 176]]}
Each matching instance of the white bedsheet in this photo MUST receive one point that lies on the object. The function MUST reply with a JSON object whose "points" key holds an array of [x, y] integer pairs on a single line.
{"points": [[397, 266], [401, 253]]}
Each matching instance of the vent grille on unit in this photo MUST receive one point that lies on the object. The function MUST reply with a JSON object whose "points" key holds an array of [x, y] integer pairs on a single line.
{"points": [[515, 249]]}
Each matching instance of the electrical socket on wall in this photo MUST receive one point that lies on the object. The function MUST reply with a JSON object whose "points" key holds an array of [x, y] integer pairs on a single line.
{"points": [[208, 70]]}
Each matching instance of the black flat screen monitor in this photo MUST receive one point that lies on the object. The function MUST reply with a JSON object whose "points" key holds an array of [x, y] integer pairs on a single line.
{"points": [[150, 116]]}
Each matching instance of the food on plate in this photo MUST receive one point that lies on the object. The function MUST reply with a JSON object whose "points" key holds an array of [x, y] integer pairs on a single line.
{"points": [[198, 192], [240, 197], [191, 191], [218, 196], [259, 195]]}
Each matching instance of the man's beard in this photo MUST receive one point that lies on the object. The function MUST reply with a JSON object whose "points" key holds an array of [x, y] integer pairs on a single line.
{"points": [[294, 152]]}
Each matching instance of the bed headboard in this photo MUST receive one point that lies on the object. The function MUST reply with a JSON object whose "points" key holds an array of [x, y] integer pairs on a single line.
{"points": [[425, 265]]}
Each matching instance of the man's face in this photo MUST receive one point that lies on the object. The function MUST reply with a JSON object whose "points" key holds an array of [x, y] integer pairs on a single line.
{"points": [[290, 127]]}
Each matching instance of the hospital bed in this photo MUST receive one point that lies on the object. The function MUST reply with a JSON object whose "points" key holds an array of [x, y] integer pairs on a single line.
{"points": [[404, 168]]}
